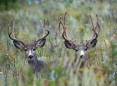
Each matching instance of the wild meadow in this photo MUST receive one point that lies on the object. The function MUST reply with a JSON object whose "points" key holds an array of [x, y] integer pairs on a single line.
{"points": [[25, 19]]}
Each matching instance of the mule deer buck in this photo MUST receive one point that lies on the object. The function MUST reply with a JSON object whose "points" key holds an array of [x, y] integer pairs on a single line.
{"points": [[82, 48], [30, 51]]}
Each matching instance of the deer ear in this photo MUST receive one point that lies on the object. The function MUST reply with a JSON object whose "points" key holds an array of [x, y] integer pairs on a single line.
{"points": [[40, 43], [70, 45], [93, 42], [18, 44]]}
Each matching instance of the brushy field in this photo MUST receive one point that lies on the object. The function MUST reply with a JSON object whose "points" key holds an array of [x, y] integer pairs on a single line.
{"points": [[27, 23]]}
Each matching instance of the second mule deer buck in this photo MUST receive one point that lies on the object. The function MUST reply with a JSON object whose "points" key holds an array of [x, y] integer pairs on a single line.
{"points": [[80, 49], [30, 52]]}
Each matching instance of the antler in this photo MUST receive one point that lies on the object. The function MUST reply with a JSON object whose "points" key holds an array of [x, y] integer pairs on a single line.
{"points": [[17, 43], [68, 43], [45, 35], [41, 42], [45, 22], [96, 30], [14, 39], [64, 28]]}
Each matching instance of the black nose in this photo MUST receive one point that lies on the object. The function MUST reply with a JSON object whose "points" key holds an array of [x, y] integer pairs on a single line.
{"points": [[30, 56], [81, 56]]}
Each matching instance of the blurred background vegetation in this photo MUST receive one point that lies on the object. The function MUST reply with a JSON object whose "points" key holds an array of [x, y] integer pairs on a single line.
{"points": [[25, 18]]}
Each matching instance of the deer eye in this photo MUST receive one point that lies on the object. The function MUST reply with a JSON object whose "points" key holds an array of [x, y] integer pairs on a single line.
{"points": [[25, 49], [34, 49]]}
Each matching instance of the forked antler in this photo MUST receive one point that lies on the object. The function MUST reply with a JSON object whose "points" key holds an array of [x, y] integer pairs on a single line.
{"points": [[96, 30], [45, 23], [68, 43]]}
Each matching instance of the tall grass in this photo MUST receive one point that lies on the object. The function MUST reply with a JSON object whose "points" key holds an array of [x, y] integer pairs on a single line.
{"points": [[27, 25]]}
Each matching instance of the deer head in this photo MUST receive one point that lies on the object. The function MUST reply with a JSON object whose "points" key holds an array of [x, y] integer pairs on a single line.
{"points": [[29, 48], [82, 48]]}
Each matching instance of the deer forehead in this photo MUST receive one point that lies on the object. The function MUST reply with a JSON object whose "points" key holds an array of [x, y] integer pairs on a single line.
{"points": [[29, 46], [30, 52], [81, 47]]}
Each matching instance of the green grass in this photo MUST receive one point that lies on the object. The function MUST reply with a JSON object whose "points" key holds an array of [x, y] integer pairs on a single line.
{"points": [[14, 71]]}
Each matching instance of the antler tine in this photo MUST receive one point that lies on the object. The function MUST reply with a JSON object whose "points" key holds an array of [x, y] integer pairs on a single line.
{"points": [[62, 22], [64, 17], [45, 22], [92, 22], [64, 33], [46, 34], [60, 19], [10, 36], [10, 33], [97, 24], [95, 34]]}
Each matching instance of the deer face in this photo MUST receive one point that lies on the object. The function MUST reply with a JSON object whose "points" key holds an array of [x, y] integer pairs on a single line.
{"points": [[81, 51], [30, 49]]}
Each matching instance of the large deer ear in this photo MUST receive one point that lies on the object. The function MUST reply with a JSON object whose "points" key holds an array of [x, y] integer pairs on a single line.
{"points": [[40, 43], [93, 42], [69, 44], [18, 44]]}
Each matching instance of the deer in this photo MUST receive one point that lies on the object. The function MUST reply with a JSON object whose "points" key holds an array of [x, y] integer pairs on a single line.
{"points": [[81, 49], [30, 51]]}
